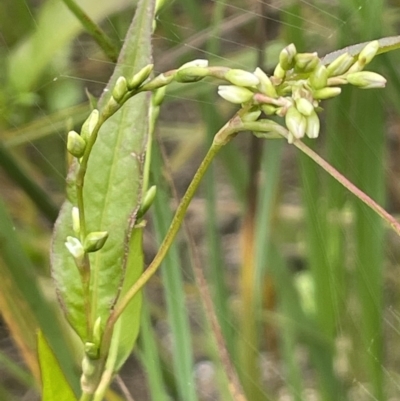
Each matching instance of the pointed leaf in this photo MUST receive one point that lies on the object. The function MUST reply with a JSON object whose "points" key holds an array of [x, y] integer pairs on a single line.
{"points": [[54, 383], [112, 188]]}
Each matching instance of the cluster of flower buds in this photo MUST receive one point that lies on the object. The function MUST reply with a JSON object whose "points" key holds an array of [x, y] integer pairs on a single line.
{"points": [[92, 242], [299, 82]]}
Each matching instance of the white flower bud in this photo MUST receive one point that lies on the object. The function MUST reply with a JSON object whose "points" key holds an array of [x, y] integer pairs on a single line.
{"points": [[340, 65], [75, 220], [265, 86], [95, 241], [76, 145], [194, 63], [306, 62], [120, 88], [235, 94], [279, 72], [269, 109], [140, 77], [295, 123], [191, 74], [241, 78], [251, 116], [75, 248], [313, 125], [158, 82], [304, 106], [369, 52], [366, 80], [286, 57]]}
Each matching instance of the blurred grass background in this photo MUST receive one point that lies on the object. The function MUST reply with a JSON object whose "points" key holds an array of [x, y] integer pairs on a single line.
{"points": [[304, 278]]}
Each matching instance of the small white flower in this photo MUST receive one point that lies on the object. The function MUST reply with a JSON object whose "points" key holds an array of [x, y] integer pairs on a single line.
{"points": [[235, 94]]}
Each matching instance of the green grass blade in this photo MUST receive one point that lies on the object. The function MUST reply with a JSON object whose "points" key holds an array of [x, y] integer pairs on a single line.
{"points": [[21, 271], [174, 292], [54, 383]]}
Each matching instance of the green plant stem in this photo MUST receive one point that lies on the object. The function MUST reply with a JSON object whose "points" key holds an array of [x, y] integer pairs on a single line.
{"points": [[222, 137], [266, 125], [94, 30]]}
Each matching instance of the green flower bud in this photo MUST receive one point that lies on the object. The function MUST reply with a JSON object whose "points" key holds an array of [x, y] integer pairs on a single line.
{"points": [[158, 82], [287, 57], [366, 80], [296, 123], [159, 95], [326, 93], [95, 241], [340, 65], [265, 86], [191, 74], [251, 116], [75, 220], [268, 109], [279, 72], [140, 77], [313, 125], [147, 201], [235, 94], [75, 248], [306, 62], [369, 52], [304, 106], [120, 88], [194, 63], [91, 351], [241, 78], [319, 77], [356, 67], [89, 125], [111, 107], [76, 145]]}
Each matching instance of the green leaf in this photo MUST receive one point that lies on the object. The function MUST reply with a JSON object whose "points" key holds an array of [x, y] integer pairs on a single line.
{"points": [[127, 330], [55, 26], [112, 188], [54, 383], [385, 45]]}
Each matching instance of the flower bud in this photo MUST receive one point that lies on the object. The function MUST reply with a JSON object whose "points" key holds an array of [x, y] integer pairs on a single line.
{"points": [[89, 125], [91, 350], [75, 248], [265, 86], [279, 72], [97, 332], [251, 116], [369, 52], [191, 74], [140, 77], [304, 106], [76, 145], [295, 123], [286, 57], [147, 201], [313, 125], [95, 241], [326, 93], [241, 78], [340, 65], [268, 109], [158, 82], [158, 96], [319, 77], [120, 88], [366, 80], [194, 63], [306, 62], [88, 366], [75, 220], [235, 94]]}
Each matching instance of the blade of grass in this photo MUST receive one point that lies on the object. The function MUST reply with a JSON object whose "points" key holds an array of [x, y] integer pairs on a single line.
{"points": [[94, 30], [174, 291]]}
